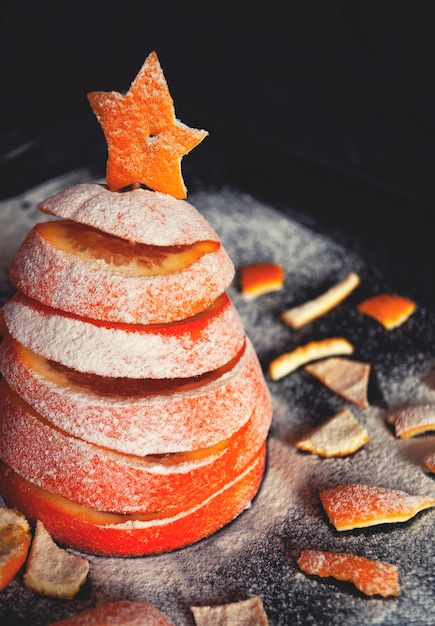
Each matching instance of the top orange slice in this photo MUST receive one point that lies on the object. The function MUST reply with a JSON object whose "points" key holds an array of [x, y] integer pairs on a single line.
{"points": [[145, 141]]}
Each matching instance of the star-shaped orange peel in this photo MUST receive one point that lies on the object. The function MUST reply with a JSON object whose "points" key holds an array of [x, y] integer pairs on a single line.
{"points": [[145, 141]]}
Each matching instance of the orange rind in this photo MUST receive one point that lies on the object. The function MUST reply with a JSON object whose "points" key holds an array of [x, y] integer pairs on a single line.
{"points": [[340, 435], [145, 141], [348, 379], [369, 576], [288, 362], [414, 420], [52, 571], [260, 278], [15, 538], [248, 612], [308, 311], [358, 506], [388, 309], [120, 613]]}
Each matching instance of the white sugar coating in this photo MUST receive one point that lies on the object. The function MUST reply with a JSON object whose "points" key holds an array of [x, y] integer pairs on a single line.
{"points": [[151, 424], [140, 215], [256, 553], [108, 481], [92, 288], [189, 349], [410, 420]]}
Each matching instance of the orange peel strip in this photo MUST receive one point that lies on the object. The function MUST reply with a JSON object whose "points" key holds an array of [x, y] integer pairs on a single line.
{"points": [[358, 505], [369, 576], [290, 361], [348, 379], [248, 612], [300, 315]]}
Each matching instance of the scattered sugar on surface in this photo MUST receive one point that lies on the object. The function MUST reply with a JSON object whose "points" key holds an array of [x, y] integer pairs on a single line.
{"points": [[256, 553]]}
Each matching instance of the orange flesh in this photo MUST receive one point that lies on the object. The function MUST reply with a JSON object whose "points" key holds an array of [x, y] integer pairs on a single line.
{"points": [[124, 256]]}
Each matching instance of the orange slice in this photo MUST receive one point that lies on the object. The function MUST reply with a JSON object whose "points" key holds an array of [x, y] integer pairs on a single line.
{"points": [[182, 349], [14, 544], [348, 379], [248, 612], [86, 529], [260, 278], [76, 268], [388, 309], [121, 613], [139, 215], [111, 481], [112, 412], [341, 435], [52, 571], [369, 576], [358, 506], [303, 314], [145, 141], [290, 361], [413, 420]]}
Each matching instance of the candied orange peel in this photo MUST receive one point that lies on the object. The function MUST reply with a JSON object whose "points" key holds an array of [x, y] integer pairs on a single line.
{"points": [[370, 576], [145, 141], [413, 420], [260, 278], [358, 505], [15, 538], [345, 377], [388, 309]]}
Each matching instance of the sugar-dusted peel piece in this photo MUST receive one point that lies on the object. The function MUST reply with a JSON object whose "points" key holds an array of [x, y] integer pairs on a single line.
{"points": [[390, 310], [345, 377], [300, 315], [15, 540], [145, 141], [120, 613], [414, 420], [248, 612], [52, 571], [370, 576], [429, 462], [359, 505], [260, 278], [290, 361], [340, 435]]}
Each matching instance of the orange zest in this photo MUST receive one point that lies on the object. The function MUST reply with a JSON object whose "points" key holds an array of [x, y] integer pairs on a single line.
{"points": [[145, 141]]}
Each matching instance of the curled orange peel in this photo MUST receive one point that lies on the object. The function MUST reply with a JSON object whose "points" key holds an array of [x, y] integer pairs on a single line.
{"points": [[145, 141]]}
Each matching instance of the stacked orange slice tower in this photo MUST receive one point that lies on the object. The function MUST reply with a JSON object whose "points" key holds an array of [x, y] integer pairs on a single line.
{"points": [[134, 411]]}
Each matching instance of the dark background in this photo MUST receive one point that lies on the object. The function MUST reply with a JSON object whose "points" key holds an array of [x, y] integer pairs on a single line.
{"points": [[327, 106]]}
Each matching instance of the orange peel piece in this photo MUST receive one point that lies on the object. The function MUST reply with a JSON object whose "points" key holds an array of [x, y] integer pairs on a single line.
{"points": [[145, 141], [358, 505], [340, 435], [370, 576], [413, 420], [303, 314], [52, 571], [15, 540], [290, 361], [118, 613], [347, 378], [248, 612], [388, 309], [260, 278]]}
